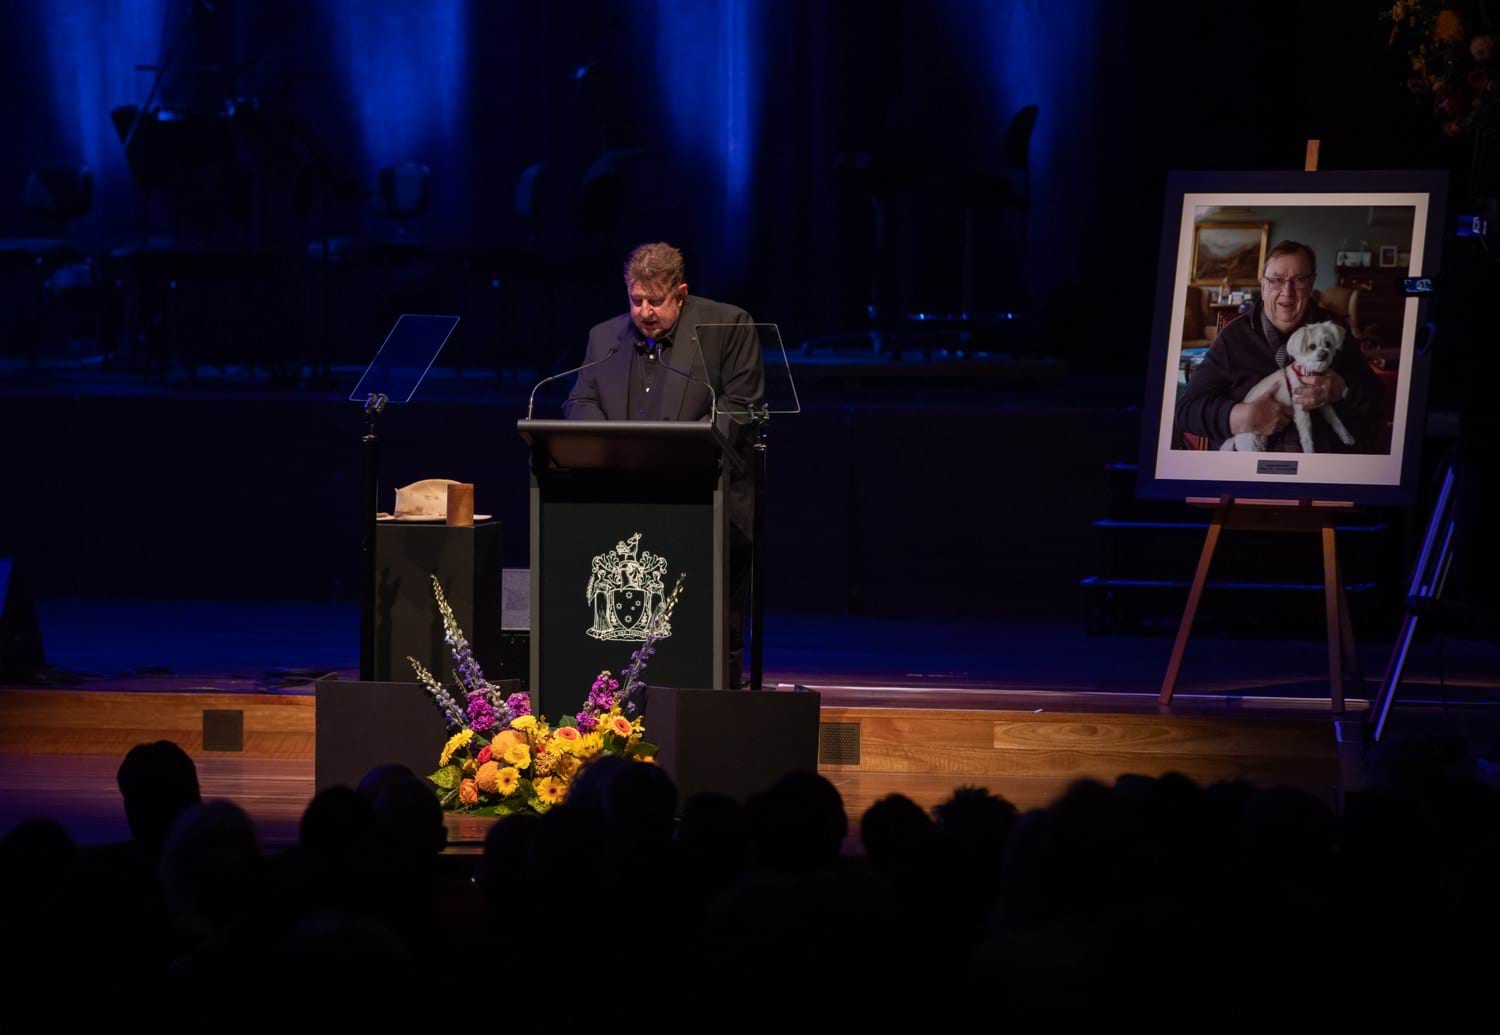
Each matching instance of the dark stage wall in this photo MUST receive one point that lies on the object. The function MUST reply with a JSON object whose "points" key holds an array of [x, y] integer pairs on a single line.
{"points": [[873, 510], [750, 132]]}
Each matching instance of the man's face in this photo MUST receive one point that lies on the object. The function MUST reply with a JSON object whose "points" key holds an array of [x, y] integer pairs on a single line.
{"points": [[654, 308], [1287, 284]]}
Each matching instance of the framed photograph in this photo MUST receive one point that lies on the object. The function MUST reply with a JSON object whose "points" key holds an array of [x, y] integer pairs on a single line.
{"points": [[1228, 251], [1296, 226]]}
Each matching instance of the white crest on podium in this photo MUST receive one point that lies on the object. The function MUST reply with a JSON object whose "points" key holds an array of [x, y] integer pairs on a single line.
{"points": [[626, 593]]}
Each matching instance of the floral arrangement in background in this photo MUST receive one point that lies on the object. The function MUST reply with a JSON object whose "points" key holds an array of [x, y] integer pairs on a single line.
{"points": [[500, 758], [1452, 49]]}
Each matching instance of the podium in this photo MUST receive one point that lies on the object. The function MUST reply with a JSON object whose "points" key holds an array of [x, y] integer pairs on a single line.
{"points": [[620, 510]]}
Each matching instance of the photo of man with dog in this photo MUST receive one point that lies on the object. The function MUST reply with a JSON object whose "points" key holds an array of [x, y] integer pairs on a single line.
{"points": [[1308, 366]]}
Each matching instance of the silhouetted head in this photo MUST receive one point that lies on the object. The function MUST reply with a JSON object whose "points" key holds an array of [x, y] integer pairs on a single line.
{"points": [[408, 821], [337, 821], [383, 776], [798, 824], [975, 825], [714, 836], [36, 850], [895, 832], [508, 868], [211, 867], [158, 782]]}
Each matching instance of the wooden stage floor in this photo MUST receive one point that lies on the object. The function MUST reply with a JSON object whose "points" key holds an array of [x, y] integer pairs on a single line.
{"points": [[60, 748]]}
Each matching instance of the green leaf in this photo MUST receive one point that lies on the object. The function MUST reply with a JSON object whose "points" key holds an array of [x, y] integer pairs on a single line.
{"points": [[567, 720], [643, 749], [447, 777]]}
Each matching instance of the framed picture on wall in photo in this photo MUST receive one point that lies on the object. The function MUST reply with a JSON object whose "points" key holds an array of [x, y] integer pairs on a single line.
{"points": [[1228, 251], [1207, 429]]}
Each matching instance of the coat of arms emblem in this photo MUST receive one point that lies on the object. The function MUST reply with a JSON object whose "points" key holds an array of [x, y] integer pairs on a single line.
{"points": [[626, 593]]}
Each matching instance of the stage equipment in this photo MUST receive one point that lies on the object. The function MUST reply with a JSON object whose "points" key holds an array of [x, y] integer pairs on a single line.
{"points": [[399, 366]]}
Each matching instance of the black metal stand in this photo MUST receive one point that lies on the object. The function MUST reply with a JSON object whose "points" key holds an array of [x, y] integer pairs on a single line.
{"points": [[369, 502], [1423, 597], [759, 418]]}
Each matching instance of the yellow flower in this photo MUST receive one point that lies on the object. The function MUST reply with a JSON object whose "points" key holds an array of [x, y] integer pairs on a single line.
{"points": [[523, 722], [485, 778], [619, 725], [507, 780], [518, 755], [458, 740], [567, 766], [546, 763], [646, 758], [551, 790], [567, 735], [591, 744], [469, 766]]}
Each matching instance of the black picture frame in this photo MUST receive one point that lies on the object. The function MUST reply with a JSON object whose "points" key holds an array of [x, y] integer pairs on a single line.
{"points": [[1165, 472]]}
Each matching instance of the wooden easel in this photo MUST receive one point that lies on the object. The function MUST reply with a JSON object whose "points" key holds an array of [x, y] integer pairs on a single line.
{"points": [[1278, 516]]}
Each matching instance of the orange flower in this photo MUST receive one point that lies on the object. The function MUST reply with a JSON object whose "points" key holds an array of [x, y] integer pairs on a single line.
{"points": [[485, 778], [1450, 27], [619, 725], [568, 733], [503, 740], [468, 793]]}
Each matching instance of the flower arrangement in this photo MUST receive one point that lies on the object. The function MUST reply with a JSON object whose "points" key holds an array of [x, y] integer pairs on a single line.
{"points": [[500, 758], [1452, 48]]}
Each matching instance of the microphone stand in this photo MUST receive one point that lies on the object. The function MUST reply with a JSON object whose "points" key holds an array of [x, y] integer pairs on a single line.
{"points": [[531, 402], [759, 418], [369, 503]]}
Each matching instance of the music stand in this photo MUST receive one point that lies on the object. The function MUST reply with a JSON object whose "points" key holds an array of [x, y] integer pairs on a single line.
{"points": [[747, 423], [399, 366]]}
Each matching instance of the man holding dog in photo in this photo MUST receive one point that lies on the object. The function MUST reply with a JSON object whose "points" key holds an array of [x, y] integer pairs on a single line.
{"points": [[1255, 345]]}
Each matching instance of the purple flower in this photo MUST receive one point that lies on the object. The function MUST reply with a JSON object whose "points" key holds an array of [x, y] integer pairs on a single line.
{"points": [[481, 714], [519, 704], [587, 722]]}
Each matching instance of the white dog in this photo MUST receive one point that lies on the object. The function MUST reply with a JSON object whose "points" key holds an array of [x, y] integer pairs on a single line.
{"points": [[1310, 350]]}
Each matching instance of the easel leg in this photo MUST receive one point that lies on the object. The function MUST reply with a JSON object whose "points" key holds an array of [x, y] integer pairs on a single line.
{"points": [[1332, 595], [1351, 647], [1195, 595]]}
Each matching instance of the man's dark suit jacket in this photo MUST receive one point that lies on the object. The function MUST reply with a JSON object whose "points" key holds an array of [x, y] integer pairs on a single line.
{"points": [[726, 357]]}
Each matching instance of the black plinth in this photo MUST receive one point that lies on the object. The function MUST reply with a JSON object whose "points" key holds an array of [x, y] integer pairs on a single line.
{"points": [[467, 561], [362, 725], [731, 741]]}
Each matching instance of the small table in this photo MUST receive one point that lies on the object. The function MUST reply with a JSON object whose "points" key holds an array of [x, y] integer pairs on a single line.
{"points": [[1225, 312]]}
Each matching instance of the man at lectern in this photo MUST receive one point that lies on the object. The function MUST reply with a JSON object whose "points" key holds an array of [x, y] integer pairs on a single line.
{"points": [[648, 364]]}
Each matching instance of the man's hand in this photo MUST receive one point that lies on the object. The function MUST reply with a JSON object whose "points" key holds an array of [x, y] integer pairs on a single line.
{"points": [[1318, 390], [1264, 416]]}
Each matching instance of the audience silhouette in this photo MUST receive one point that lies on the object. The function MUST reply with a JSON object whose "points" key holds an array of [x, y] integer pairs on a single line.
{"points": [[1156, 896]]}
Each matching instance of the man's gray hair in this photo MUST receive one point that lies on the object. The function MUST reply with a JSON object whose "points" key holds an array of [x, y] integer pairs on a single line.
{"points": [[654, 263], [1290, 248]]}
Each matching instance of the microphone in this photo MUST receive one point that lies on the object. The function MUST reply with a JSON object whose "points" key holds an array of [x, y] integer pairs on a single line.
{"points": [[654, 351], [532, 401]]}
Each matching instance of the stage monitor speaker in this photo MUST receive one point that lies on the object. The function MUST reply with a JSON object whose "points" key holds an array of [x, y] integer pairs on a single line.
{"points": [[21, 656], [363, 725], [735, 742]]}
